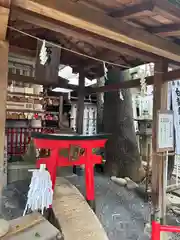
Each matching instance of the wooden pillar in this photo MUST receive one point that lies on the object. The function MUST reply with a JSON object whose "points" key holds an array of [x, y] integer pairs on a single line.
{"points": [[4, 47], [159, 103], [80, 103], [80, 111], [100, 106], [60, 110]]}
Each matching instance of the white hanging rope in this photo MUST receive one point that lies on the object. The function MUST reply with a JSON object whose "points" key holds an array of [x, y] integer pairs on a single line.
{"points": [[40, 195], [67, 49], [73, 51], [105, 70]]}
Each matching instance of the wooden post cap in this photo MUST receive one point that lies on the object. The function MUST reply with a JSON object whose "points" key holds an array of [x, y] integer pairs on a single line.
{"points": [[4, 227]]}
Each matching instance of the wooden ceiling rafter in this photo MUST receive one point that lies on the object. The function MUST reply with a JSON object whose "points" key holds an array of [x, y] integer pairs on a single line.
{"points": [[83, 35], [34, 31], [98, 23], [90, 63], [22, 51], [4, 17], [87, 48], [166, 30], [167, 9], [5, 3], [139, 9], [92, 4], [62, 82], [65, 42], [76, 38]]}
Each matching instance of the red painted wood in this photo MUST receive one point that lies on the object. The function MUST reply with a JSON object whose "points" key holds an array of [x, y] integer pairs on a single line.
{"points": [[157, 229], [55, 160]]}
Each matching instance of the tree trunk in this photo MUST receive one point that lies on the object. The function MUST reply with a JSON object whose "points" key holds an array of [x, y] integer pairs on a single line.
{"points": [[100, 105], [171, 161], [171, 158], [122, 154]]}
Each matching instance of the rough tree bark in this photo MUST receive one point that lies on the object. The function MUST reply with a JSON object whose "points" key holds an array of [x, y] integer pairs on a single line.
{"points": [[100, 106], [171, 158], [122, 155]]}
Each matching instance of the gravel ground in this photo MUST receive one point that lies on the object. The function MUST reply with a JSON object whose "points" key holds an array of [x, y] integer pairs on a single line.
{"points": [[14, 199], [122, 213]]}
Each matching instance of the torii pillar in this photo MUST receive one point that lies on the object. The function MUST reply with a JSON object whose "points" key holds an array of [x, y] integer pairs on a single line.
{"points": [[4, 48]]}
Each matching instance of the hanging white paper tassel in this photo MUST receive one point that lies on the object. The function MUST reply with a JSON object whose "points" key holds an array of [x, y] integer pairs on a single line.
{"points": [[120, 95], [143, 82], [43, 54], [40, 195], [105, 70]]}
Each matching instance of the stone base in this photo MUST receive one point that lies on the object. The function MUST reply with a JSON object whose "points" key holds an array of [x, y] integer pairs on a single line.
{"points": [[92, 204], [19, 171]]}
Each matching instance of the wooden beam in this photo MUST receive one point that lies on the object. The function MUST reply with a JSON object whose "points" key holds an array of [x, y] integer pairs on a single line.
{"points": [[4, 17], [158, 161], [95, 5], [90, 63], [166, 30], [170, 76], [94, 39], [5, 3], [167, 9], [141, 9], [108, 56], [22, 51], [80, 103], [93, 21], [79, 16], [122, 85], [62, 83], [4, 47]]}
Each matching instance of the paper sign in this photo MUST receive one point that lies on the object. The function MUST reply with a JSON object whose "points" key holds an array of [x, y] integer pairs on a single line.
{"points": [[165, 134]]}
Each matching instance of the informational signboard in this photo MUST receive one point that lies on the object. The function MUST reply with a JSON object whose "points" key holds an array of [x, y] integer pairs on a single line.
{"points": [[165, 131]]}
